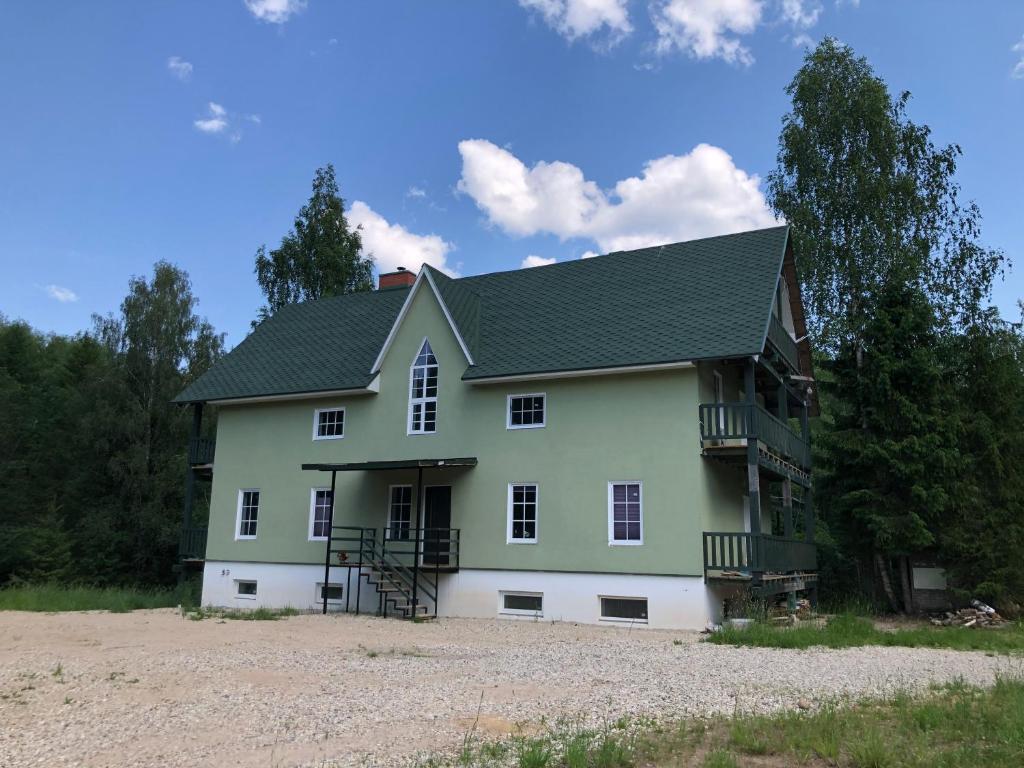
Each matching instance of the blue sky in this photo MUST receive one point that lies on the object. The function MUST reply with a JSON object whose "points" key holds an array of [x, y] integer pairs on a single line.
{"points": [[477, 136]]}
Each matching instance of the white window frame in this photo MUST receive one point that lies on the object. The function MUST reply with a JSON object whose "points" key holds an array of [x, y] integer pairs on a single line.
{"points": [[509, 539], [508, 411], [413, 524], [719, 396], [238, 514], [312, 514], [619, 619], [239, 595], [316, 423], [612, 541], [319, 598], [502, 610], [422, 401]]}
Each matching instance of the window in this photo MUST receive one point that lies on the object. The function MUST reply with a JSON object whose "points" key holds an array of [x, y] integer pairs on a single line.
{"points": [[319, 513], [526, 411], [248, 511], [624, 608], [522, 513], [328, 423], [245, 589], [335, 592], [423, 392], [625, 519], [524, 603], [400, 512]]}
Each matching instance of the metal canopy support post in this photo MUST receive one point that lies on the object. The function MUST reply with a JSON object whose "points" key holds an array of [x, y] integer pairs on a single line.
{"points": [[330, 537], [421, 521]]}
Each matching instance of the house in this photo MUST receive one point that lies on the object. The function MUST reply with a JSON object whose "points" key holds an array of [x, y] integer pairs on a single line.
{"points": [[616, 439]]}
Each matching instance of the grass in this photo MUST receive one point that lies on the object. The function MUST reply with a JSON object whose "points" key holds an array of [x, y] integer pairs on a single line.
{"points": [[231, 614], [846, 631], [953, 726], [58, 597]]}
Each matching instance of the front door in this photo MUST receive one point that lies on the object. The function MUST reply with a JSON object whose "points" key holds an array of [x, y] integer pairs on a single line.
{"points": [[437, 523]]}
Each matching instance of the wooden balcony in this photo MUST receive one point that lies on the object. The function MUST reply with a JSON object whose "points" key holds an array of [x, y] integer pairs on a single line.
{"points": [[779, 562], [192, 544], [201, 451], [783, 343], [726, 428]]}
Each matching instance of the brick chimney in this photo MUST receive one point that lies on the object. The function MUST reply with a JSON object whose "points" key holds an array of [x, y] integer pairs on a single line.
{"points": [[402, 278]]}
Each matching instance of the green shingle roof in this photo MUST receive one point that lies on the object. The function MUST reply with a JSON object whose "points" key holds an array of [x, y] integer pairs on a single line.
{"points": [[708, 298]]}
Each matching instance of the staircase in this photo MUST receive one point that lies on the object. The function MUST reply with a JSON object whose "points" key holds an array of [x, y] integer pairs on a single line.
{"points": [[402, 574]]}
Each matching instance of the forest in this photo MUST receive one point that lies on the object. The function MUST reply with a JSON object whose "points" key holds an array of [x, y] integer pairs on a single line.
{"points": [[919, 446]]}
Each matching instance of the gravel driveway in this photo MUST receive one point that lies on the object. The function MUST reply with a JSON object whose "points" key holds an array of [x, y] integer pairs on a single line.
{"points": [[153, 689]]}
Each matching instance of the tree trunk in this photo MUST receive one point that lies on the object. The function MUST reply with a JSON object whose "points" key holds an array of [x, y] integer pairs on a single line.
{"points": [[908, 595], [883, 574]]}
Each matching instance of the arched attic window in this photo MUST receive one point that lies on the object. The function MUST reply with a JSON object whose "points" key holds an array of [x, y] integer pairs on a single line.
{"points": [[423, 392]]}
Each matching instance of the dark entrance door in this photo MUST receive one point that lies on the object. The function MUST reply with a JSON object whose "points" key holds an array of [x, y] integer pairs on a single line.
{"points": [[437, 523]]}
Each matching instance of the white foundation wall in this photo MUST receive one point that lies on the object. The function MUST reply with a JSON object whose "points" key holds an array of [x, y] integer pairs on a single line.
{"points": [[281, 585], [673, 602]]}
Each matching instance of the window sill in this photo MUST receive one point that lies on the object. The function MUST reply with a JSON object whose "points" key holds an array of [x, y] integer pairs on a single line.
{"points": [[245, 538], [328, 437], [245, 597], [614, 620], [521, 541], [318, 538], [516, 427], [527, 614], [626, 543]]}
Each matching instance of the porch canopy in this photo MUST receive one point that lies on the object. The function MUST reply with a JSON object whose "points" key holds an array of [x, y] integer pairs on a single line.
{"points": [[368, 466], [354, 466]]}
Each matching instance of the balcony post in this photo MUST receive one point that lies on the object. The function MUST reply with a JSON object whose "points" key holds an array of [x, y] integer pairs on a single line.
{"points": [[787, 508], [753, 475], [190, 480]]}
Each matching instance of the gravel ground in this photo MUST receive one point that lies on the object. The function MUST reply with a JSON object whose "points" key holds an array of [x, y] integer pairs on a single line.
{"points": [[153, 689]]}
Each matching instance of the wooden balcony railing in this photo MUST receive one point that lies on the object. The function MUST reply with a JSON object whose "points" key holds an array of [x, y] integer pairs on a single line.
{"points": [[736, 421], [757, 553], [192, 545], [783, 343], [201, 450]]}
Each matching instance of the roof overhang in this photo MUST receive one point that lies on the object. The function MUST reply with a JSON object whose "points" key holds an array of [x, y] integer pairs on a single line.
{"points": [[370, 389], [574, 374], [368, 466], [424, 276]]}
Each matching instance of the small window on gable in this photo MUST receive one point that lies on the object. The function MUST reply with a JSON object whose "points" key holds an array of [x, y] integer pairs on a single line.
{"points": [[526, 411], [328, 423], [423, 392]]}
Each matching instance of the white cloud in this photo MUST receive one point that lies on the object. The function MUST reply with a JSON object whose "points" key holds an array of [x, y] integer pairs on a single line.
{"points": [[61, 294], [678, 197], [574, 19], [274, 11], [706, 29], [802, 14], [215, 122], [589, 254], [536, 261], [1018, 70], [802, 40], [416, 192], [180, 68], [393, 246]]}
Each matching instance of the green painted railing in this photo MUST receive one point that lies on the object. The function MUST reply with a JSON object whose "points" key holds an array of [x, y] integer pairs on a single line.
{"points": [[733, 421], [192, 545], [201, 450], [757, 553], [783, 343]]}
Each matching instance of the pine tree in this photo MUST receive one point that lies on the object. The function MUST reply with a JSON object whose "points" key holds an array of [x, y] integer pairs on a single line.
{"points": [[891, 451]]}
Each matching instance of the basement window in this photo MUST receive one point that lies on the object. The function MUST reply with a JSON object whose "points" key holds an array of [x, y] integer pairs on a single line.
{"points": [[335, 592], [624, 609], [246, 589], [522, 603]]}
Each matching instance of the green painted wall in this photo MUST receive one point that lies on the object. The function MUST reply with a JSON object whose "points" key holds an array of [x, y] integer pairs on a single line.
{"points": [[630, 427]]}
